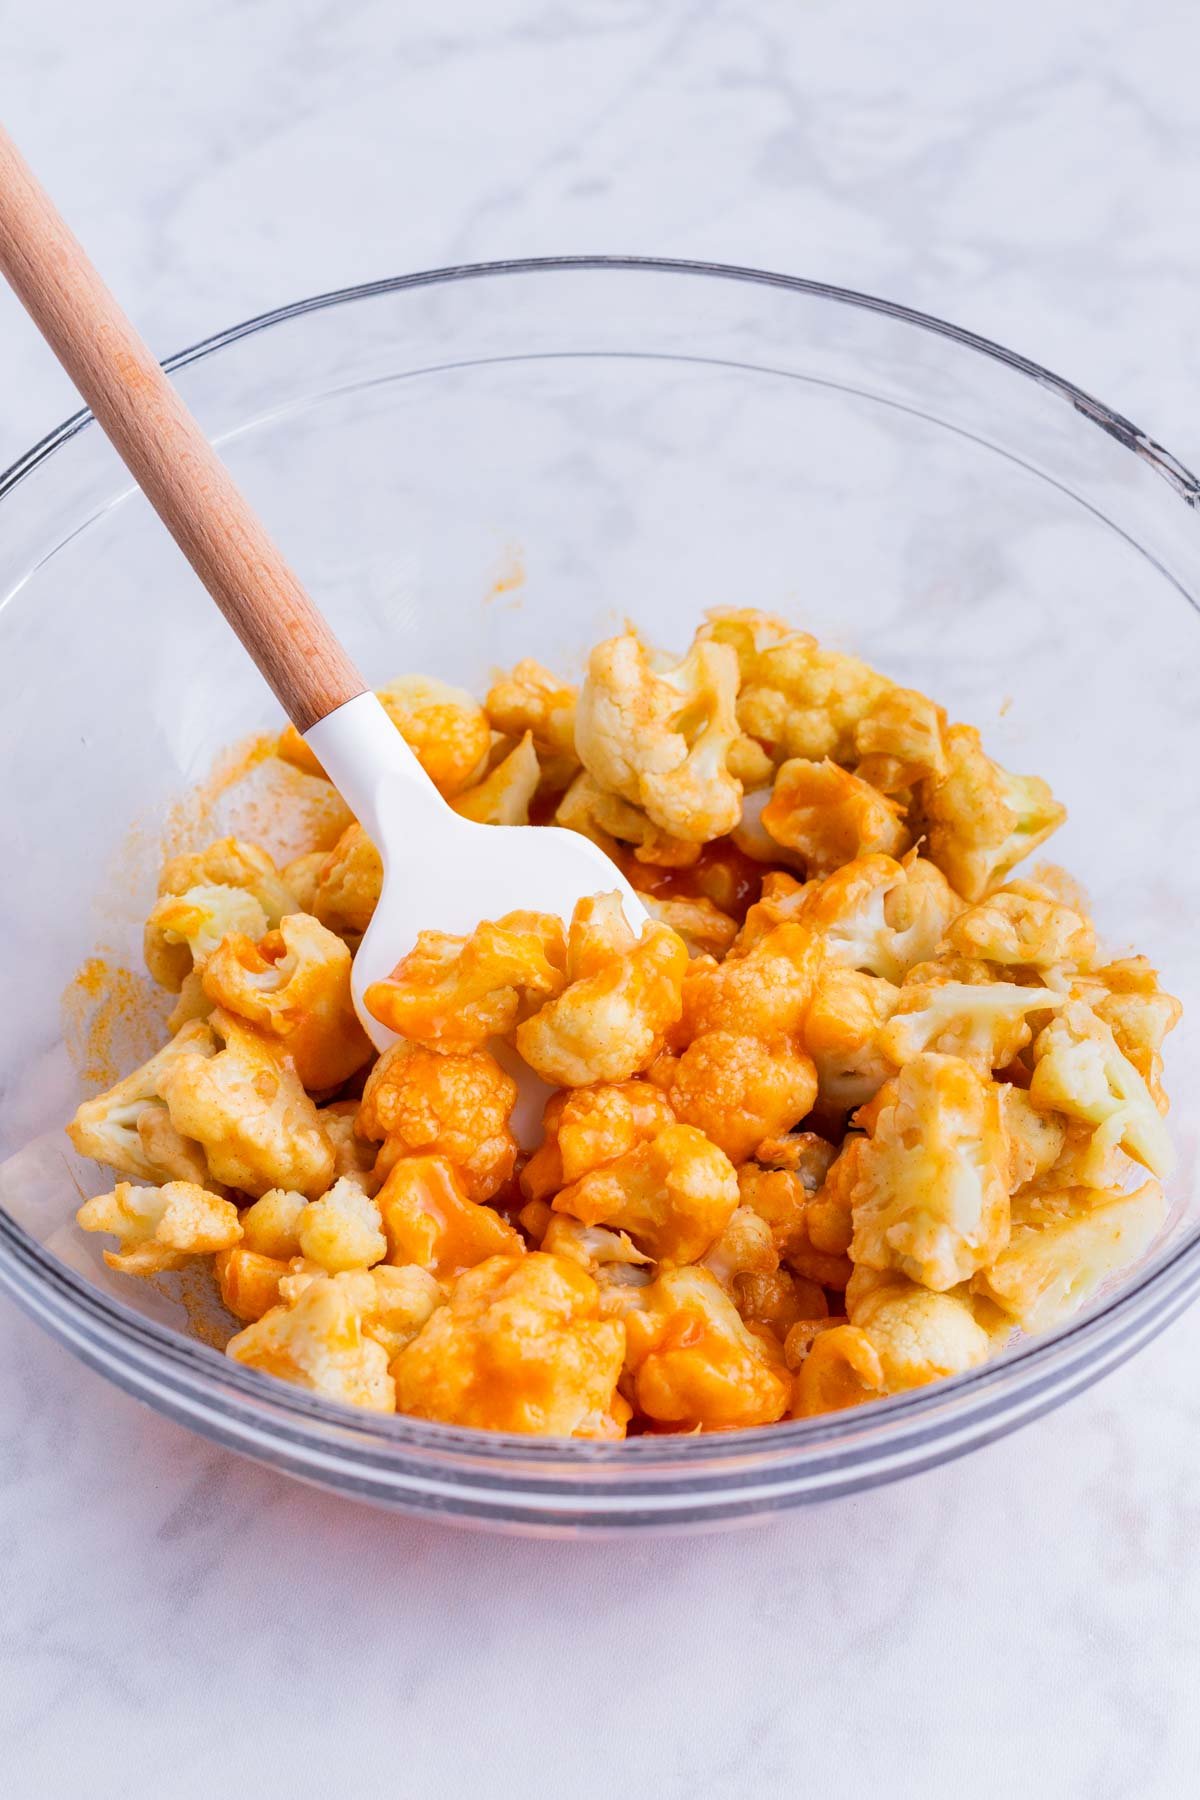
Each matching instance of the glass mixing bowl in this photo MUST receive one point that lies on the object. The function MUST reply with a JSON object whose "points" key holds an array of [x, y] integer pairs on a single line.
{"points": [[492, 462]]}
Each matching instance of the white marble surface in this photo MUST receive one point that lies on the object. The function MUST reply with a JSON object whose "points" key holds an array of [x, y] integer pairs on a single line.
{"points": [[1028, 1621]]}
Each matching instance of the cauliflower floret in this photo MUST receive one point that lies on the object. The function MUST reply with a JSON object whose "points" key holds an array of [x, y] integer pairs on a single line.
{"points": [[1025, 926], [319, 1342], [353, 1156], [738, 1090], [129, 1128], [161, 1227], [349, 883], [841, 1034], [456, 992], [1035, 1139], [520, 1347], [230, 886], [429, 1220], [183, 930], [764, 993], [980, 820], [779, 1301], [810, 1222], [928, 1189], [692, 1363], [986, 1023], [830, 817], [444, 726], [600, 1251], [294, 987], [456, 1105], [342, 1230], [612, 823], [271, 1226], [660, 738], [704, 928], [246, 1107], [622, 994], [674, 1195], [919, 1336], [795, 699], [504, 795], [248, 1281], [532, 700], [878, 915], [899, 742], [1080, 1071], [842, 1368], [585, 1128], [301, 877], [745, 1247], [1064, 1244], [1126, 995]]}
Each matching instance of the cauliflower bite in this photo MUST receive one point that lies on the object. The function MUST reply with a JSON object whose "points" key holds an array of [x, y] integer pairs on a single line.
{"points": [[1126, 995], [520, 1347], [918, 1336], [660, 737], [604, 1254], [348, 885], [129, 1129], [1035, 1139], [794, 699], [230, 886], [674, 1195], [353, 1156], [621, 996], [704, 928], [271, 1226], [841, 1034], [900, 741], [738, 1090], [428, 1220], [692, 1364], [301, 876], [986, 1023], [878, 915], [1064, 1245], [830, 817], [1024, 925], [457, 992], [248, 1281], [585, 1128], [811, 1225], [928, 1188], [444, 726], [763, 993], [745, 1247], [504, 795], [342, 1230], [531, 701], [841, 1369], [294, 987], [613, 823], [457, 1105], [160, 1228], [980, 821], [320, 1342], [247, 1109], [1078, 1070]]}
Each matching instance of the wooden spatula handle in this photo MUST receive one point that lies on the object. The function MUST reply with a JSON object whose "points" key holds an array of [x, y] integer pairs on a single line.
{"points": [[170, 458]]}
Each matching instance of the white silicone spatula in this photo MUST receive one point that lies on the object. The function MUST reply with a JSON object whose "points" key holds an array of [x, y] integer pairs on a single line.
{"points": [[440, 871]]}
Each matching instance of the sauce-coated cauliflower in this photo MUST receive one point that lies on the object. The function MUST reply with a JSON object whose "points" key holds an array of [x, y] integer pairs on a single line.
{"points": [[585, 1128], [810, 1224], [529, 699], [900, 741], [622, 995], [919, 1336], [738, 1089], [1079, 1070], [692, 1364], [1126, 995], [841, 1034], [928, 1188], [506, 792], [764, 993], [248, 1282], [160, 1228], [342, 1230], [428, 1220], [1024, 925], [457, 992], [674, 1195], [876, 914], [453, 1104], [321, 1342], [520, 1347], [616, 825], [979, 820], [348, 885], [246, 1107], [986, 1023], [830, 817], [660, 737], [129, 1128], [229, 886], [294, 987], [1065, 1243]]}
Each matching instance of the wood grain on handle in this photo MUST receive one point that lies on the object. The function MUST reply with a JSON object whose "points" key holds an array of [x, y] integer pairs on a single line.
{"points": [[167, 453]]}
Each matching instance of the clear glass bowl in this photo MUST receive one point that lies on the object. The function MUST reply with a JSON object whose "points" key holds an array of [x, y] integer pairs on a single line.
{"points": [[491, 462]]}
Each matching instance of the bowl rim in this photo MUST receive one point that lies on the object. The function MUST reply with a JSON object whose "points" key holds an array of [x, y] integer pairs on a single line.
{"points": [[115, 1323]]}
